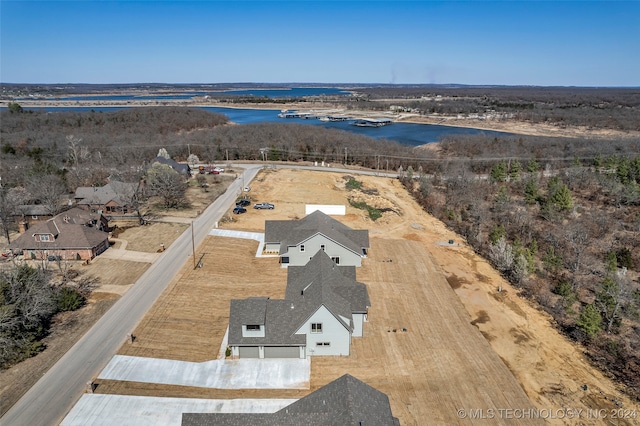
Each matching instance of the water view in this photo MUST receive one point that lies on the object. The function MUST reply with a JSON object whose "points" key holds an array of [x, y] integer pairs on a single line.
{"points": [[406, 133]]}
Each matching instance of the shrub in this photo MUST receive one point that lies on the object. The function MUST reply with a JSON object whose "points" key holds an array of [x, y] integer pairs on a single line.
{"points": [[69, 300]]}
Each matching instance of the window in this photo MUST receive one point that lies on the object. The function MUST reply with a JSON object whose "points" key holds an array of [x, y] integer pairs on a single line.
{"points": [[322, 247], [316, 327], [44, 237], [323, 343], [253, 327], [301, 247], [336, 260]]}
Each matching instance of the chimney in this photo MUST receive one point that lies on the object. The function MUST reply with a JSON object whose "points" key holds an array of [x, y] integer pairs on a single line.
{"points": [[23, 226]]}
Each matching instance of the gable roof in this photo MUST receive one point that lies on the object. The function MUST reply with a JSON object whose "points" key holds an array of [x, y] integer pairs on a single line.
{"points": [[319, 283], [118, 192], [72, 229], [178, 167], [291, 233], [345, 401]]}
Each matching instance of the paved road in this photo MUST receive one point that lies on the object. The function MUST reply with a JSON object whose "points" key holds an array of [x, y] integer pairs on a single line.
{"points": [[49, 400]]}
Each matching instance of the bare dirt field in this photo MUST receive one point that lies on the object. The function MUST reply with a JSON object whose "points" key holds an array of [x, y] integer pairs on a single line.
{"points": [[472, 348]]}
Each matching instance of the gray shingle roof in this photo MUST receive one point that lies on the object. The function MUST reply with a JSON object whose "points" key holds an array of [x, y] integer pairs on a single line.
{"points": [[69, 230], [118, 192], [178, 167], [318, 283], [291, 233], [346, 401]]}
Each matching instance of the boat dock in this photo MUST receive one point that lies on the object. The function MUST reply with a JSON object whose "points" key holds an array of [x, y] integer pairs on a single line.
{"points": [[372, 122]]}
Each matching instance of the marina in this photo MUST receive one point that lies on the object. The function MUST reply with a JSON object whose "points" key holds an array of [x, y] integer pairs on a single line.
{"points": [[359, 122]]}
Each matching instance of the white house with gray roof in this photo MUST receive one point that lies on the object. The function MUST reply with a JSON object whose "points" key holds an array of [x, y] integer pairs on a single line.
{"points": [[298, 241], [324, 306]]}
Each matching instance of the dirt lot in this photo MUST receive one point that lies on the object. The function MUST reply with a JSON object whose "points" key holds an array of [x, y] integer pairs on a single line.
{"points": [[441, 363]]}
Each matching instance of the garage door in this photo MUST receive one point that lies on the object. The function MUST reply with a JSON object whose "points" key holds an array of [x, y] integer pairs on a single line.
{"points": [[249, 352], [281, 352]]}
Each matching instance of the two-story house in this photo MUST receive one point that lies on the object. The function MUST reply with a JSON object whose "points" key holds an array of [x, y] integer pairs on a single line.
{"points": [[298, 241], [324, 307]]}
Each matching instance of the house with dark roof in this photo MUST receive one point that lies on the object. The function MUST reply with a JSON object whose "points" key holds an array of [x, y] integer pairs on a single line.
{"points": [[324, 307], [72, 235], [31, 213], [346, 401], [183, 169], [113, 198], [298, 240]]}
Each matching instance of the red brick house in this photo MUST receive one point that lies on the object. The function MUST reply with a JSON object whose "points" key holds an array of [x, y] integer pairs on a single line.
{"points": [[72, 235]]}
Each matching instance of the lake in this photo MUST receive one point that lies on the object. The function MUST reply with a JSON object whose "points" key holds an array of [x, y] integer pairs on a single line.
{"points": [[405, 133]]}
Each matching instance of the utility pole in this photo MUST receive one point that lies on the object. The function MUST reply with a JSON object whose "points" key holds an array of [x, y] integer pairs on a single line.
{"points": [[193, 246]]}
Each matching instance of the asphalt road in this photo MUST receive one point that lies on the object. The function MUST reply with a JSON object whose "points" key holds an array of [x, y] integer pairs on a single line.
{"points": [[51, 398]]}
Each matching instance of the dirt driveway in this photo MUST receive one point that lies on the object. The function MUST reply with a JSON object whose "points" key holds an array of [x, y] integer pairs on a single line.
{"points": [[426, 374]]}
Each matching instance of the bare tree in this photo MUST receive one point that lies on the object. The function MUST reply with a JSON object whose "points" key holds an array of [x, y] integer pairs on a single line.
{"points": [[166, 183], [48, 190]]}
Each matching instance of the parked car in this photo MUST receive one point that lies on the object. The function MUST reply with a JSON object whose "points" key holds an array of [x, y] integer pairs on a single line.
{"points": [[264, 206], [218, 170], [247, 188], [239, 210], [243, 203]]}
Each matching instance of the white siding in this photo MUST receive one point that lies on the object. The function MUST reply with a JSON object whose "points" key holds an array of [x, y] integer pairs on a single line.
{"points": [[333, 332], [313, 245], [253, 333], [358, 320]]}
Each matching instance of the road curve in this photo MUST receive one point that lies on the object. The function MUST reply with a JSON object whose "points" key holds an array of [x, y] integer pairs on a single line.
{"points": [[51, 398]]}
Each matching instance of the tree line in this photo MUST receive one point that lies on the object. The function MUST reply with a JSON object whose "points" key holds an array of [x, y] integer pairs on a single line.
{"points": [[566, 236]]}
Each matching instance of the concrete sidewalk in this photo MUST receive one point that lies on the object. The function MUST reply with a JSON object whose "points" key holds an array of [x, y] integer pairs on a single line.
{"points": [[258, 236], [125, 410], [216, 374]]}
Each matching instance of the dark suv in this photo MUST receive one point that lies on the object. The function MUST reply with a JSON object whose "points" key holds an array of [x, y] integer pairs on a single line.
{"points": [[243, 203], [239, 209]]}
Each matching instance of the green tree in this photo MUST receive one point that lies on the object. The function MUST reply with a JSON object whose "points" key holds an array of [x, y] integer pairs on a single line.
{"points": [[533, 166], [558, 195], [496, 233], [590, 321], [551, 261], [531, 191], [609, 301], [514, 170], [14, 107], [499, 172]]}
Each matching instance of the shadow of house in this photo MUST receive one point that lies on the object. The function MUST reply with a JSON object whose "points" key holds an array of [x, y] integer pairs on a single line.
{"points": [[72, 235], [115, 198], [324, 307], [345, 401], [296, 241]]}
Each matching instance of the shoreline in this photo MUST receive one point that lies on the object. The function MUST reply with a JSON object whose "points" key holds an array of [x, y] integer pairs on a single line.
{"points": [[502, 125]]}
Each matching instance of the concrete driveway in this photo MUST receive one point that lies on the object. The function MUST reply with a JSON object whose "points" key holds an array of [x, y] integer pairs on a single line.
{"points": [[127, 410], [216, 374]]}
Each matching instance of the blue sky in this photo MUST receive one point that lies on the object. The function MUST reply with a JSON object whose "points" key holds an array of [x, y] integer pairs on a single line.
{"points": [[571, 43]]}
